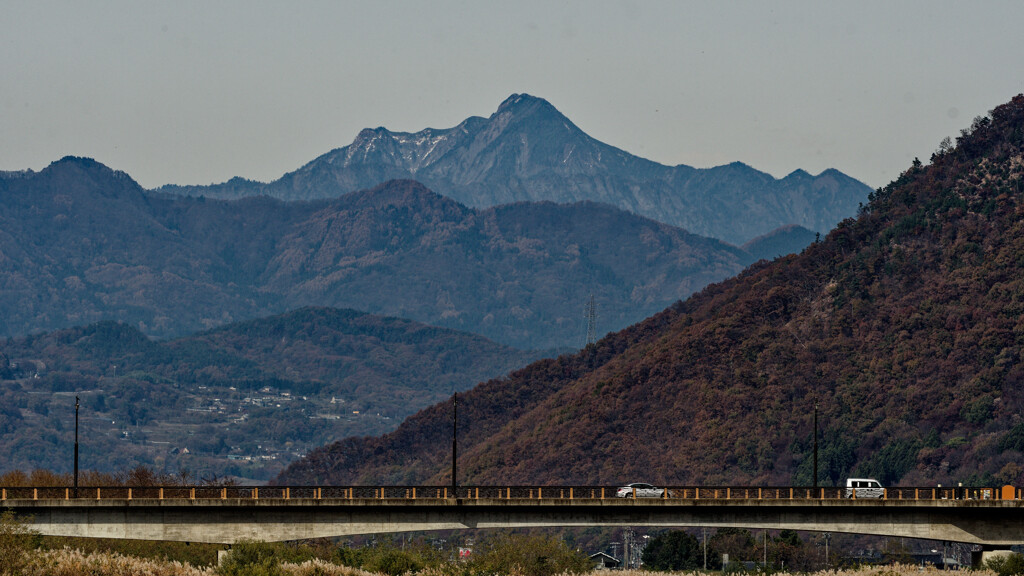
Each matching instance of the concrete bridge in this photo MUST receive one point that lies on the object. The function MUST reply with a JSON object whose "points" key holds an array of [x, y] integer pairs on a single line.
{"points": [[993, 517]]}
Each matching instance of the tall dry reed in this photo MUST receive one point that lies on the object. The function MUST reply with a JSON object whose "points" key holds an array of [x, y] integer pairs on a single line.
{"points": [[68, 562]]}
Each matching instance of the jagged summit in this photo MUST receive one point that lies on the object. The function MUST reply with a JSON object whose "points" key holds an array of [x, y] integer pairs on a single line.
{"points": [[528, 151], [521, 100], [522, 105], [369, 135]]}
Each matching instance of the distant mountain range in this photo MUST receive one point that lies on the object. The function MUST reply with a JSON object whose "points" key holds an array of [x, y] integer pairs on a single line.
{"points": [[243, 399], [81, 243], [527, 151], [903, 326]]}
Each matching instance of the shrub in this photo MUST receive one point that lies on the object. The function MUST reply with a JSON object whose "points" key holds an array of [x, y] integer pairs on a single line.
{"points": [[391, 561], [673, 550], [1006, 565], [252, 559], [16, 541], [533, 554]]}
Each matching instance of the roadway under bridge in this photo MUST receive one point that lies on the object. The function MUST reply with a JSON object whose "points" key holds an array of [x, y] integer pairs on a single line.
{"points": [[993, 517]]}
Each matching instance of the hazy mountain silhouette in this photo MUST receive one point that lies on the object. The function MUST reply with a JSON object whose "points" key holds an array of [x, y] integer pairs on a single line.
{"points": [[528, 151]]}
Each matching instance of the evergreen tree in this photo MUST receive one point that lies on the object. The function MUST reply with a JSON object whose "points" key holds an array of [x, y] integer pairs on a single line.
{"points": [[673, 550]]}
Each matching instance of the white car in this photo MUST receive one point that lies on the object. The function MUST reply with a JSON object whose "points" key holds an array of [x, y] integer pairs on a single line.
{"points": [[863, 488], [639, 490]]}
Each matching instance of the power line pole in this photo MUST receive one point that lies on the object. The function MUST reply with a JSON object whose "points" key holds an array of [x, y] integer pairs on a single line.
{"points": [[827, 536], [815, 443], [704, 532], [765, 564], [76, 446], [455, 438], [628, 547], [591, 314]]}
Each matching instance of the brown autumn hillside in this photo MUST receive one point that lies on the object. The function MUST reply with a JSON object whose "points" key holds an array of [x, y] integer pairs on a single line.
{"points": [[904, 325]]}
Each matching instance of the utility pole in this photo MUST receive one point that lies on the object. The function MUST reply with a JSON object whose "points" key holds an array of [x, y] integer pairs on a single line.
{"points": [[591, 313], [704, 532], [815, 443], [455, 438], [627, 553], [76, 446], [765, 563]]}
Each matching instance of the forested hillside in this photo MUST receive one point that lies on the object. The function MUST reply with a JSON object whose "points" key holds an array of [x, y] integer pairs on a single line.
{"points": [[81, 243], [903, 325]]}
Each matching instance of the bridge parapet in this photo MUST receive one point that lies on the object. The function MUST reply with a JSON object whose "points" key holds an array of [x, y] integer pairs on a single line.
{"points": [[491, 493]]}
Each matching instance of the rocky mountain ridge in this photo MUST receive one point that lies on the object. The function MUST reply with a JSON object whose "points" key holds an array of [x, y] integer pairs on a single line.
{"points": [[528, 151]]}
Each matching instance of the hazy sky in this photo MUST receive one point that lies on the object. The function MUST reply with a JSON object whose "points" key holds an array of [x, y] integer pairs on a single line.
{"points": [[197, 92]]}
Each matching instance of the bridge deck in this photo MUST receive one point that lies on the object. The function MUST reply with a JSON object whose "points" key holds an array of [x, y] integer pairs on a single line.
{"points": [[229, 514]]}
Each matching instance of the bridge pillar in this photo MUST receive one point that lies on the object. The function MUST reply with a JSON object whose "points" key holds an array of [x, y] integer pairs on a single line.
{"points": [[222, 555], [978, 559]]}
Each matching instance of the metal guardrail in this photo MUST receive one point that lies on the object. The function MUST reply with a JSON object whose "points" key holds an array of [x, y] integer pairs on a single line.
{"points": [[692, 493]]}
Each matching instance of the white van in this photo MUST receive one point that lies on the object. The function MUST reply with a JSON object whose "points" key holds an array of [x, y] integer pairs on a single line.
{"points": [[863, 488]]}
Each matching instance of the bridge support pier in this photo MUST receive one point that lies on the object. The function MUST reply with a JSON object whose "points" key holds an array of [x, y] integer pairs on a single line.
{"points": [[978, 559]]}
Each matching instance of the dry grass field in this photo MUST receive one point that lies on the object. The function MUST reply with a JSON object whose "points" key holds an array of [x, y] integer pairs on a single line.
{"points": [[69, 562]]}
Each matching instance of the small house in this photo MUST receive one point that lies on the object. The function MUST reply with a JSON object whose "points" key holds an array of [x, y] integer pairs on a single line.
{"points": [[602, 561]]}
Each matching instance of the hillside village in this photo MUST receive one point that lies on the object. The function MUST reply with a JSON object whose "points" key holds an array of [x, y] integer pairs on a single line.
{"points": [[216, 431]]}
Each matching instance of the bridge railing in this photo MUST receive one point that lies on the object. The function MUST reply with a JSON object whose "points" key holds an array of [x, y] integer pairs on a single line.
{"points": [[498, 493]]}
